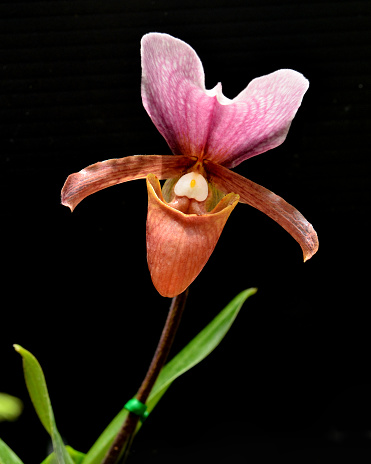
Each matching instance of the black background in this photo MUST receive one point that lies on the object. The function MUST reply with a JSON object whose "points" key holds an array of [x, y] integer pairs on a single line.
{"points": [[291, 379]]}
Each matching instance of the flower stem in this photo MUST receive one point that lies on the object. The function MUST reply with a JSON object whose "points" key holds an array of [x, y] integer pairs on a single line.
{"points": [[163, 348]]}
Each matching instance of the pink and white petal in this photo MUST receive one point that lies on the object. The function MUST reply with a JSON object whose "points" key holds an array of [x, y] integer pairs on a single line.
{"points": [[269, 203], [173, 93], [104, 174], [179, 245], [257, 120]]}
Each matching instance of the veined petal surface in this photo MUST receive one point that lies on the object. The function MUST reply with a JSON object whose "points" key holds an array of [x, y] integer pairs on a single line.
{"points": [[269, 203], [173, 93], [205, 123], [257, 120], [104, 174], [178, 244]]}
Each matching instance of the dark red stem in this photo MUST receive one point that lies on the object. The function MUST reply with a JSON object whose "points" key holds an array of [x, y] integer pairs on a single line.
{"points": [[158, 361]]}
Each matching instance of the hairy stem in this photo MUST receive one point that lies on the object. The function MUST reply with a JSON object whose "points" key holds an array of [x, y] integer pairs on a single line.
{"points": [[163, 348]]}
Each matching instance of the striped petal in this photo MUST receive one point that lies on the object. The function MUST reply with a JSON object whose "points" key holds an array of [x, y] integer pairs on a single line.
{"points": [[178, 244], [101, 175], [270, 204]]}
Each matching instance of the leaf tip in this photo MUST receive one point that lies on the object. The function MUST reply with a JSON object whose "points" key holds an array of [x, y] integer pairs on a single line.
{"points": [[17, 348], [249, 292]]}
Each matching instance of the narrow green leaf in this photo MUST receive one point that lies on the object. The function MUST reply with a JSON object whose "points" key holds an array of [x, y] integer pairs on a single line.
{"points": [[38, 391], [97, 452], [10, 407], [197, 350], [37, 388], [7, 456]]}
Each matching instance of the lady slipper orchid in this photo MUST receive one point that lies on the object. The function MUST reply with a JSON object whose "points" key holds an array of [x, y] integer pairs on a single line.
{"points": [[208, 134]]}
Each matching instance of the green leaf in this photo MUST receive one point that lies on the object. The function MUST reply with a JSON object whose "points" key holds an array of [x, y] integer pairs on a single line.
{"points": [[97, 452], [197, 350], [76, 456], [7, 456], [38, 391], [10, 407]]}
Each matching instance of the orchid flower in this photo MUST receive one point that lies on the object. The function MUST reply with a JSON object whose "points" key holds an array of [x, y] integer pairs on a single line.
{"points": [[208, 135]]}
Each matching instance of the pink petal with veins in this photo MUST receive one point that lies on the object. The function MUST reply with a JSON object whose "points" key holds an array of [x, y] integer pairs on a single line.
{"points": [[269, 203], [101, 175], [173, 93], [204, 123], [257, 120]]}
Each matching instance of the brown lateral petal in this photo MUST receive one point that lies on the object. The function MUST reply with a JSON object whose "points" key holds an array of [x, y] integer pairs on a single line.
{"points": [[269, 203], [101, 175], [178, 244]]}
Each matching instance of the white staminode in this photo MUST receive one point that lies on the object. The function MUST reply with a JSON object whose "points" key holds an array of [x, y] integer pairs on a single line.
{"points": [[192, 185]]}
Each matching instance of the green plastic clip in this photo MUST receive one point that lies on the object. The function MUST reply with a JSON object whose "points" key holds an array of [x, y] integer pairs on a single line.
{"points": [[137, 407]]}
